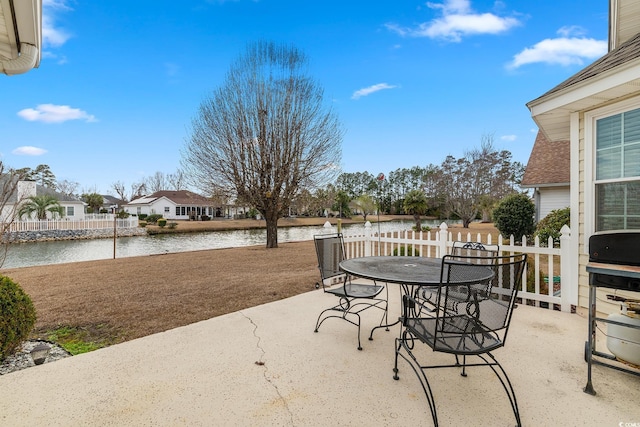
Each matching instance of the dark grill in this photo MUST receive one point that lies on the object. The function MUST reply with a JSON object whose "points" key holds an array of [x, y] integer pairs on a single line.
{"points": [[615, 248], [620, 248], [614, 262]]}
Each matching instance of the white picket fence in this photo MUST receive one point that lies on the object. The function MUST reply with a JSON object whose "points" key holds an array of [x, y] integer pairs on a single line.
{"points": [[98, 222], [562, 288]]}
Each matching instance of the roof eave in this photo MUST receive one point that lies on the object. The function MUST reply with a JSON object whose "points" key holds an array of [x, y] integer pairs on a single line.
{"points": [[555, 184], [24, 24], [551, 111]]}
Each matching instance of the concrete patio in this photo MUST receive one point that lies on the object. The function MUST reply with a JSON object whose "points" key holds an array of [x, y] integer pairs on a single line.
{"points": [[264, 366]]}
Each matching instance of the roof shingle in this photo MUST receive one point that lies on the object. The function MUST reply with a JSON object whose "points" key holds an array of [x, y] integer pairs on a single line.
{"points": [[548, 164]]}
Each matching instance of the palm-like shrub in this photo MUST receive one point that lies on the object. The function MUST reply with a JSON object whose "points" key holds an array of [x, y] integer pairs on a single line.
{"points": [[17, 316], [40, 206]]}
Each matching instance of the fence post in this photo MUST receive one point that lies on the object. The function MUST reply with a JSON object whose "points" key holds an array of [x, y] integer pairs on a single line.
{"points": [[443, 235], [327, 228], [569, 281], [367, 239]]}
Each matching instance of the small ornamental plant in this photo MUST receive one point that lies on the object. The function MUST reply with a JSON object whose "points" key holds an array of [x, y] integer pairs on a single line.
{"points": [[162, 222], [410, 251], [17, 316]]}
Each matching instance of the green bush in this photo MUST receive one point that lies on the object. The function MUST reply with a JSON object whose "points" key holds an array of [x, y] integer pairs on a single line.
{"points": [[142, 216], [162, 222], [17, 316], [123, 214], [514, 216], [551, 224], [153, 218], [142, 223], [172, 225], [410, 251]]}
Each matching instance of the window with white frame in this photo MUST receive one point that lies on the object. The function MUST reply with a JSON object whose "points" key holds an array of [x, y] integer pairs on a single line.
{"points": [[617, 172], [70, 210]]}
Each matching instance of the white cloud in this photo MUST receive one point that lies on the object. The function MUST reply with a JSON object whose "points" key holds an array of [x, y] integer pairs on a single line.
{"points": [[458, 20], [371, 89], [508, 138], [564, 50], [52, 35], [49, 113], [29, 151]]}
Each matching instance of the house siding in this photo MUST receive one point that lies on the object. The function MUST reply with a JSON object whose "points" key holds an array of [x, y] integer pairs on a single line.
{"points": [[552, 198], [586, 228]]}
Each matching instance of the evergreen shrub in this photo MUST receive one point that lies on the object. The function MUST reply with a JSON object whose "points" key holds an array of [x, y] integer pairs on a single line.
{"points": [[513, 216], [153, 218], [551, 224], [17, 316]]}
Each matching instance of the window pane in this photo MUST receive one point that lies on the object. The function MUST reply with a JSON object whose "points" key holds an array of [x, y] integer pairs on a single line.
{"points": [[618, 206], [632, 126], [609, 131], [608, 163], [632, 160]]}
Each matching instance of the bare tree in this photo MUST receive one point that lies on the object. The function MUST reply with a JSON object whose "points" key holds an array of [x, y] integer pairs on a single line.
{"points": [[157, 182], [178, 180], [264, 133], [137, 190], [120, 190], [68, 188], [483, 175], [10, 202]]}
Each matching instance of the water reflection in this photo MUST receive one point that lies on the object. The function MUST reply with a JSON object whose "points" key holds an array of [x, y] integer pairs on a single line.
{"points": [[44, 253]]}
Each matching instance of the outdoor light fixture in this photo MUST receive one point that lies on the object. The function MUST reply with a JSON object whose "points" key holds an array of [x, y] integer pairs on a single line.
{"points": [[39, 353]]}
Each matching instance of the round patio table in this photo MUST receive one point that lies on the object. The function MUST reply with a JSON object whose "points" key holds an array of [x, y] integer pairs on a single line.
{"points": [[408, 272]]}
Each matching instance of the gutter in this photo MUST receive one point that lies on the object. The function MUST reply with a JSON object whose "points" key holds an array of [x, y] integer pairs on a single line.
{"points": [[23, 63]]}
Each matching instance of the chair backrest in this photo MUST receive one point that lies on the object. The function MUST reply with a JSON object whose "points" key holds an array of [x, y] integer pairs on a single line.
{"points": [[474, 249], [330, 252], [491, 313]]}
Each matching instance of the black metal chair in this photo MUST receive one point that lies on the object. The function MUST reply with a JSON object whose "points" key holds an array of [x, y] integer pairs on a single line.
{"points": [[472, 333], [475, 252], [353, 297]]}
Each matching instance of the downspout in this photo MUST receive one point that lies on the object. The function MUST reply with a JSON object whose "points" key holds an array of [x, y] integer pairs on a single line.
{"points": [[23, 63]]}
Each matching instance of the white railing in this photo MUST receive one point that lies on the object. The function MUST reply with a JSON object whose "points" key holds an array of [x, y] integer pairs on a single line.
{"points": [[105, 221], [552, 266]]}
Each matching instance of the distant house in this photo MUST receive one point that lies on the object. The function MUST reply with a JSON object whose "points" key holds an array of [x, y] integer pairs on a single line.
{"points": [[73, 208], [547, 173], [181, 204], [112, 204], [20, 35]]}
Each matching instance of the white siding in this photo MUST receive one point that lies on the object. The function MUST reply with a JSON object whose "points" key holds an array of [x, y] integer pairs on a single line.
{"points": [[552, 198]]}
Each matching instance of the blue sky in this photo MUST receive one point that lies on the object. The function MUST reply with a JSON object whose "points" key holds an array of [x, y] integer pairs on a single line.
{"points": [[412, 81]]}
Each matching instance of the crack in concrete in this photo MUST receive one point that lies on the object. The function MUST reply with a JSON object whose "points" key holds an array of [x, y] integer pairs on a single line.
{"points": [[260, 362]]}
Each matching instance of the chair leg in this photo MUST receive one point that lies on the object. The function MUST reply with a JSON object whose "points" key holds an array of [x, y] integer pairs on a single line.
{"points": [[384, 322], [506, 384], [419, 371], [342, 316]]}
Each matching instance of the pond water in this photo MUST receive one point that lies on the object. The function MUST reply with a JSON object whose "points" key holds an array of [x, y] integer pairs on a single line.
{"points": [[57, 252]]}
